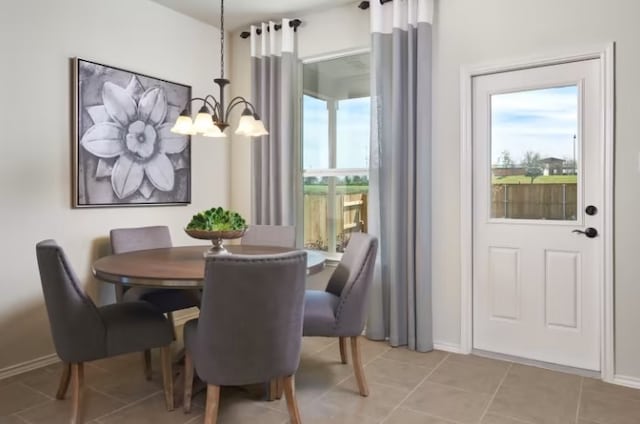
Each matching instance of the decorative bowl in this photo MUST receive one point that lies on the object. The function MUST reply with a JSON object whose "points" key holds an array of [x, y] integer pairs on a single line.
{"points": [[216, 238]]}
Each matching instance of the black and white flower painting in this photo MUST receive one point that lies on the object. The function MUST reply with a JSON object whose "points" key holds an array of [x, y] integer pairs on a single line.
{"points": [[126, 153]]}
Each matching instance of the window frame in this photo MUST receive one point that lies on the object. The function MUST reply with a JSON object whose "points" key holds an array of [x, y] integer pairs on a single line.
{"points": [[299, 172]]}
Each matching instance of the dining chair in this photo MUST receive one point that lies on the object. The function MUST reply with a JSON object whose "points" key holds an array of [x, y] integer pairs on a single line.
{"points": [[83, 332], [250, 326], [270, 235], [340, 310], [167, 301]]}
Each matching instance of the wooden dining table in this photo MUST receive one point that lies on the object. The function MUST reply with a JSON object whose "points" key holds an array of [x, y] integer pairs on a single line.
{"points": [[182, 268], [177, 267]]}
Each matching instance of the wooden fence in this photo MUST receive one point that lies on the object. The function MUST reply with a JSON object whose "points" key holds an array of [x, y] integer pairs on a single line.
{"points": [[515, 201], [350, 216], [534, 201]]}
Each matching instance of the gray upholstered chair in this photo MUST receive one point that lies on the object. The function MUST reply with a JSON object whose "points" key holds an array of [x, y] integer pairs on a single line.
{"points": [[250, 326], [340, 310], [83, 332], [165, 300], [270, 235]]}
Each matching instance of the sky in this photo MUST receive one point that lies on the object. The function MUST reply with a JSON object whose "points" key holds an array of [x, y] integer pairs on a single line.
{"points": [[353, 118], [543, 121]]}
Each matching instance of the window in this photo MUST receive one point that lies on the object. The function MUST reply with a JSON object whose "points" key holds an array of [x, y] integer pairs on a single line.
{"points": [[336, 110], [534, 154]]}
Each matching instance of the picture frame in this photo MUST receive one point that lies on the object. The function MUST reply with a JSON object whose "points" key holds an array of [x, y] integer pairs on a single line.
{"points": [[124, 153]]}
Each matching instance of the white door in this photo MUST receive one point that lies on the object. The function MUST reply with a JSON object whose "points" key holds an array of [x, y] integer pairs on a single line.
{"points": [[538, 179]]}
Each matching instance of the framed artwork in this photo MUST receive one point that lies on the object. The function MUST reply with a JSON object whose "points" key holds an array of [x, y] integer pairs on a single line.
{"points": [[124, 151]]}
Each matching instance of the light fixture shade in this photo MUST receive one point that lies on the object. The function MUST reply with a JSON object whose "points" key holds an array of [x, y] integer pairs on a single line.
{"points": [[215, 132], [246, 125], [258, 129], [183, 125], [203, 123]]}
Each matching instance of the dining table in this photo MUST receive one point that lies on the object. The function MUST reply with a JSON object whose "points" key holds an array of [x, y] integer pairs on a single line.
{"points": [[182, 267]]}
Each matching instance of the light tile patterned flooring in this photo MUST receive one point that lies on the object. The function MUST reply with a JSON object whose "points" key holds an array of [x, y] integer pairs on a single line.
{"points": [[406, 388]]}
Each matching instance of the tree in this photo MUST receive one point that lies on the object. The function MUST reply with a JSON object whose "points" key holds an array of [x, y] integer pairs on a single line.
{"points": [[310, 180], [570, 166], [532, 165], [504, 160]]}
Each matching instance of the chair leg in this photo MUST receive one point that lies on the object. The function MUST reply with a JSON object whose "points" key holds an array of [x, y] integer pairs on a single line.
{"points": [[292, 403], [272, 389], [211, 409], [173, 324], [275, 389], [77, 406], [119, 293], [147, 364], [64, 381], [167, 376], [188, 382], [343, 349], [357, 367]]}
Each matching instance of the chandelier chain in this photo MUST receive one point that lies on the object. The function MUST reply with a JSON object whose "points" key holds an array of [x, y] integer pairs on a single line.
{"points": [[222, 39]]}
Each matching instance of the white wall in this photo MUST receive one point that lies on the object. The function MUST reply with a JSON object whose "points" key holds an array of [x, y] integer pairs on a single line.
{"points": [[471, 32], [37, 38], [327, 32]]}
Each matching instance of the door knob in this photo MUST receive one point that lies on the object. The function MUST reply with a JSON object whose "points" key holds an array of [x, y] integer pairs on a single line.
{"points": [[589, 232]]}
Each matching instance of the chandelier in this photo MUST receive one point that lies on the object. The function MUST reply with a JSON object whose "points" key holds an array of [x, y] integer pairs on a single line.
{"points": [[213, 117]]}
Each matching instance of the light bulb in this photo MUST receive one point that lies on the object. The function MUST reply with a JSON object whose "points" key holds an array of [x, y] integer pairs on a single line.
{"points": [[183, 125], [246, 124], [203, 123], [258, 129], [215, 132]]}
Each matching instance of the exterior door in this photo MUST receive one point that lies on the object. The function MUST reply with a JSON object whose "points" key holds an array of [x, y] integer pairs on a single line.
{"points": [[538, 191]]}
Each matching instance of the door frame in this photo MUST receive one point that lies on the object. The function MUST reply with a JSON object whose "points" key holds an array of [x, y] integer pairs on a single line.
{"points": [[605, 53]]}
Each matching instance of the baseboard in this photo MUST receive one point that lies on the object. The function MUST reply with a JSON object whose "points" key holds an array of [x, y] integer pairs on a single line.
{"points": [[31, 365], [53, 358], [447, 347], [623, 380]]}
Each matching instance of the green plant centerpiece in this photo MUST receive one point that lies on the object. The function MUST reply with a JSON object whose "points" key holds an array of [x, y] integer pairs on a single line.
{"points": [[217, 225]]}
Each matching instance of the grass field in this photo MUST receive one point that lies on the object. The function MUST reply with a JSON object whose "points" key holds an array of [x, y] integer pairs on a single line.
{"points": [[340, 189], [543, 179]]}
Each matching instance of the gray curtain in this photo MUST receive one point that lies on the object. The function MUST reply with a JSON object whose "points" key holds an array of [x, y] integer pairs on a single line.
{"points": [[274, 68], [400, 175]]}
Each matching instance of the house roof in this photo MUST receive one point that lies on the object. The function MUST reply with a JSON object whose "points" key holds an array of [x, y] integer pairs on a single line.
{"points": [[551, 160]]}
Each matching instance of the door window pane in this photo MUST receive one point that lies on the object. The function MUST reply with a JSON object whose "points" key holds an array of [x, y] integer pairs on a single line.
{"points": [[535, 154]]}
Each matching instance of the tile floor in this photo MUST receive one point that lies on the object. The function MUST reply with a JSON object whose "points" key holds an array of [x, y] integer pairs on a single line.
{"points": [[406, 388]]}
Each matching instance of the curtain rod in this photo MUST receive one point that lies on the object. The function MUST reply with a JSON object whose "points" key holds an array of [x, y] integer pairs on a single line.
{"points": [[294, 23], [365, 4]]}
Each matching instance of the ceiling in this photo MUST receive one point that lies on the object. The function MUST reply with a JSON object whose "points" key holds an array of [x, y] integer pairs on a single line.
{"points": [[344, 67], [241, 13], [341, 78]]}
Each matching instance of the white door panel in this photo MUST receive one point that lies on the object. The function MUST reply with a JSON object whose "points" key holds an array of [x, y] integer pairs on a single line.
{"points": [[536, 283]]}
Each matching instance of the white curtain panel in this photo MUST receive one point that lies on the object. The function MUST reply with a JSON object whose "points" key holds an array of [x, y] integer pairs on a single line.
{"points": [[400, 174], [274, 68]]}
